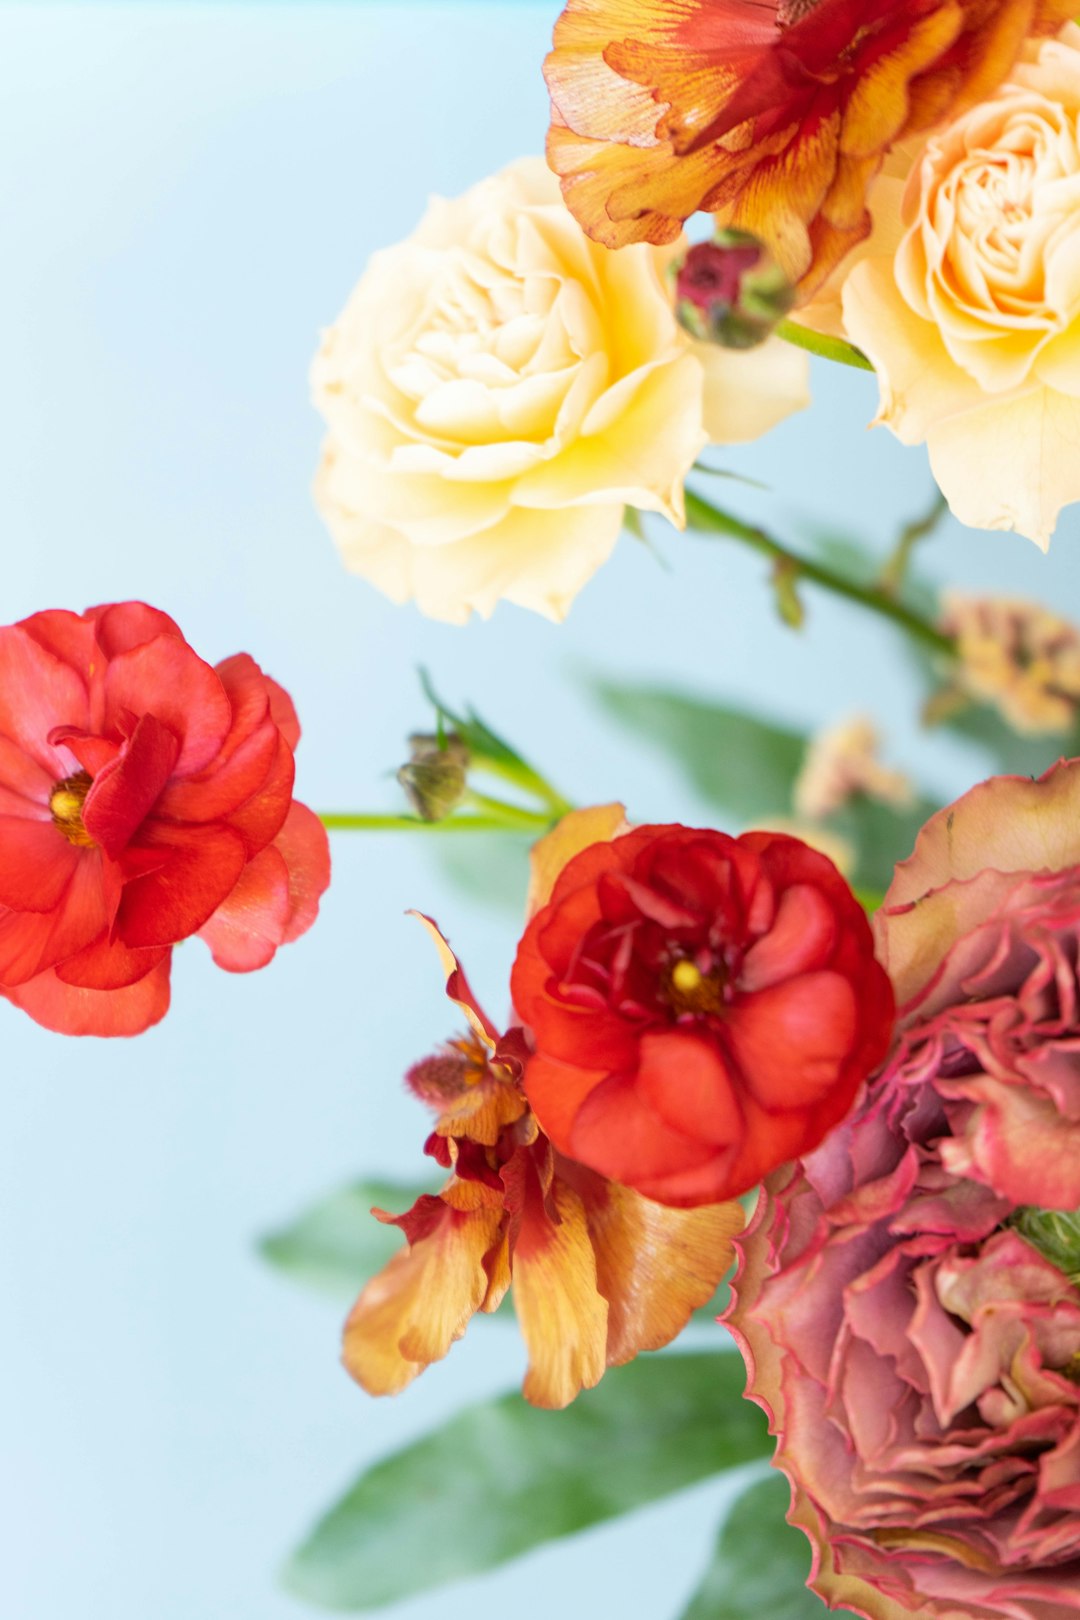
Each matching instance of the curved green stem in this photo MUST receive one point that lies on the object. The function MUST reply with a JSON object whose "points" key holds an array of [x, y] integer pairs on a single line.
{"points": [[700, 514], [829, 348]]}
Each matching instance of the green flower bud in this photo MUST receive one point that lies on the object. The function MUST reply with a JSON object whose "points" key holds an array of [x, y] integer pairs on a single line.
{"points": [[731, 291]]}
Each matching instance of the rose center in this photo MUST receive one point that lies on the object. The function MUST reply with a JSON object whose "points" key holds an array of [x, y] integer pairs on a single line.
{"points": [[66, 804], [688, 990]]}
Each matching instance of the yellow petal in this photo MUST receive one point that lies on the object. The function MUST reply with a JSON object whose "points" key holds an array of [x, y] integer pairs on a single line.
{"points": [[422, 1300], [563, 1317], [457, 986]]}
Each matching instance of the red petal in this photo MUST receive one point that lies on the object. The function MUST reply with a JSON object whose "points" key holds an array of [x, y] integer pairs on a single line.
{"points": [[67, 636], [24, 785], [108, 965], [245, 684], [126, 790], [92, 752], [200, 868], [305, 848], [166, 678], [618, 1134], [36, 863], [245, 774], [282, 712], [120, 626], [247, 928], [33, 941], [72, 1011], [38, 692], [801, 937], [791, 1040], [262, 816], [684, 1078]]}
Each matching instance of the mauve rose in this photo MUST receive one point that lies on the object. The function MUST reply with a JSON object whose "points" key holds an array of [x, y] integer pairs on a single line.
{"points": [[918, 1358]]}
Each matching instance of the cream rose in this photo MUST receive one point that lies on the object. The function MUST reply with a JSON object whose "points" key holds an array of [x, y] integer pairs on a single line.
{"points": [[973, 322], [499, 388]]}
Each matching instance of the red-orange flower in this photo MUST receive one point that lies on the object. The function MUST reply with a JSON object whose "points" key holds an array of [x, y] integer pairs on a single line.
{"points": [[144, 797], [597, 1272], [772, 114], [702, 1008]]}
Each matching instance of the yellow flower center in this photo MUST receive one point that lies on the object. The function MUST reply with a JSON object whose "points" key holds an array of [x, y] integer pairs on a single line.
{"points": [[66, 803], [688, 990]]}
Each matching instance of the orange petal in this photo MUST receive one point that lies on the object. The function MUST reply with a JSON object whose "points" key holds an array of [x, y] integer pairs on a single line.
{"points": [[596, 825], [457, 985], [563, 1317], [654, 1265], [422, 1300]]}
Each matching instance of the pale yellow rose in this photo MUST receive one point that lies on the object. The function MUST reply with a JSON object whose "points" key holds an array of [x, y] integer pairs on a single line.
{"points": [[498, 388], [973, 322]]}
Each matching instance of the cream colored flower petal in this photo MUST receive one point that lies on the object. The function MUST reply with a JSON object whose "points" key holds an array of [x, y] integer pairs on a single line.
{"points": [[539, 560], [1059, 364], [640, 460], [1010, 464], [428, 510], [919, 381], [749, 391]]}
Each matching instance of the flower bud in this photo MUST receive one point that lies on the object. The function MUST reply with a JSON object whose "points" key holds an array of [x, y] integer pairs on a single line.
{"points": [[434, 780], [731, 291], [1056, 1235]]}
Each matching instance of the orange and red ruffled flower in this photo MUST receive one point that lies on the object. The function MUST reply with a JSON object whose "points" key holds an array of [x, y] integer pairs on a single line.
{"points": [[773, 116], [144, 797], [597, 1273], [701, 1008]]}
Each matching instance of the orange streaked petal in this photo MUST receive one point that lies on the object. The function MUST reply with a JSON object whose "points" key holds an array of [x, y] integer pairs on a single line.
{"points": [[562, 1314], [423, 1299], [654, 1265], [597, 824], [457, 985]]}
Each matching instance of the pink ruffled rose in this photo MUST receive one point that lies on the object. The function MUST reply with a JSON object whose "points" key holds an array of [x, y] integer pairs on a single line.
{"points": [[918, 1357]]}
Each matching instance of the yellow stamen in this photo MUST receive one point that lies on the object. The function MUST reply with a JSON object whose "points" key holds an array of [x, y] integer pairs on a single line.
{"points": [[66, 803], [686, 977], [691, 991]]}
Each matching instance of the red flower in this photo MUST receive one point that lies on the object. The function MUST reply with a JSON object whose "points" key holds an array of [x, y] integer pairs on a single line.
{"points": [[144, 797], [703, 1008]]}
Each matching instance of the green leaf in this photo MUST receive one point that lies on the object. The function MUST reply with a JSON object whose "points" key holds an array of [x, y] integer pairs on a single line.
{"points": [[504, 1477], [881, 835], [760, 1564], [743, 764], [338, 1244], [1010, 752]]}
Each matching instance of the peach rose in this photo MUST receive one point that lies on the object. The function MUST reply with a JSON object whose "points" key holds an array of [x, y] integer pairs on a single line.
{"points": [[499, 388], [973, 323]]}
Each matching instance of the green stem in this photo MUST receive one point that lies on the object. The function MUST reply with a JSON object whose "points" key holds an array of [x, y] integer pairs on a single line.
{"points": [[830, 348], [701, 515], [347, 821], [894, 570]]}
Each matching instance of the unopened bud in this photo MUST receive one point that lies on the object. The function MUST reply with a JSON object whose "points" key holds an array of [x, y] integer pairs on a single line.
{"points": [[731, 291], [434, 779]]}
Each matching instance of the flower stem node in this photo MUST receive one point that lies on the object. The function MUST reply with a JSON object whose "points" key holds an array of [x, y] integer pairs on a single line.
{"points": [[731, 291]]}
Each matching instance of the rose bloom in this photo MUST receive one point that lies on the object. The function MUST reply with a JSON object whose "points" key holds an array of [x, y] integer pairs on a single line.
{"points": [[701, 1008], [918, 1357], [1017, 656], [596, 1273], [973, 320], [773, 116], [498, 389], [144, 797]]}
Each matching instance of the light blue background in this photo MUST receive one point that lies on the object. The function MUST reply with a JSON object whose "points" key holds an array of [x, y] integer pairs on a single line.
{"points": [[187, 193]]}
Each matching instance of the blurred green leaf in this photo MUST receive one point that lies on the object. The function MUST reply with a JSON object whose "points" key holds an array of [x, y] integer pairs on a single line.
{"points": [[338, 1244], [493, 872], [504, 1477], [739, 762], [881, 835], [760, 1564], [1010, 752]]}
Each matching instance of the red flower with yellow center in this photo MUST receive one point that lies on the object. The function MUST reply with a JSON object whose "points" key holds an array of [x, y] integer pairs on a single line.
{"points": [[701, 1008], [596, 1272], [773, 116]]}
